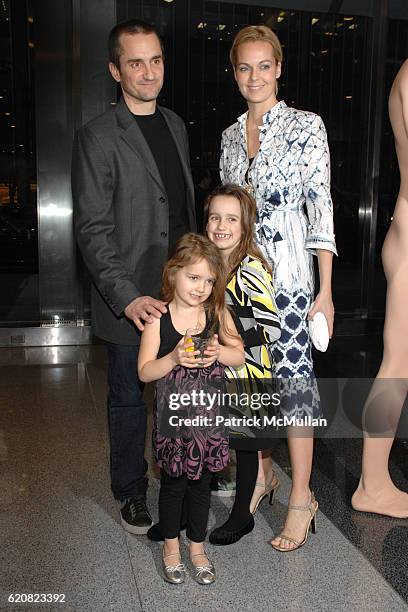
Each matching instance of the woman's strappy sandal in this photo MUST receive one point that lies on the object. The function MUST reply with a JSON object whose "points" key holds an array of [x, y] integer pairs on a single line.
{"points": [[312, 509], [265, 489]]}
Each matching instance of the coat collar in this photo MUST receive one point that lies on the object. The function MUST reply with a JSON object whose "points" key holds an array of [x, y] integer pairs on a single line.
{"points": [[270, 119], [133, 136]]}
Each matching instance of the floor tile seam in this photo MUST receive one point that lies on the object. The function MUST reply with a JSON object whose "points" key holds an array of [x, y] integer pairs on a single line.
{"points": [[133, 574], [91, 391], [95, 413], [93, 397]]}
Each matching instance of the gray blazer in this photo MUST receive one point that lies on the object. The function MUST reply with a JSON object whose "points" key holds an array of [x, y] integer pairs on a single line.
{"points": [[121, 214]]}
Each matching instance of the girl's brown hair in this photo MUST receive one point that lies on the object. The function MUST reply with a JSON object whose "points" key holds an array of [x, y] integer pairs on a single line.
{"points": [[255, 33], [192, 248], [247, 244]]}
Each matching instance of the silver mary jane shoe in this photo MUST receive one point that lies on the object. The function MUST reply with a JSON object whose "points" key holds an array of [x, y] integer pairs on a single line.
{"points": [[203, 574], [175, 574]]}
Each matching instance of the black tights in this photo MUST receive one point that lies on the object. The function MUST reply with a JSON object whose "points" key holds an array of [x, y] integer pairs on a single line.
{"points": [[247, 472], [180, 500]]}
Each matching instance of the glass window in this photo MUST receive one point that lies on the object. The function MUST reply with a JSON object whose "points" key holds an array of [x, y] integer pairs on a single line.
{"points": [[18, 189]]}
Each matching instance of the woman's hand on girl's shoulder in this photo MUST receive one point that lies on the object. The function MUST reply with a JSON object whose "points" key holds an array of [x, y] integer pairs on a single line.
{"points": [[212, 352], [183, 357]]}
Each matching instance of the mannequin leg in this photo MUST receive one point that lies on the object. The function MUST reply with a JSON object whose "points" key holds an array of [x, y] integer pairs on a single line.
{"points": [[376, 492]]}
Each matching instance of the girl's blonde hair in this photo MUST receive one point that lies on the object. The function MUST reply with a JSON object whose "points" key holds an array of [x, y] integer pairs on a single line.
{"points": [[256, 33], [190, 249], [247, 245]]}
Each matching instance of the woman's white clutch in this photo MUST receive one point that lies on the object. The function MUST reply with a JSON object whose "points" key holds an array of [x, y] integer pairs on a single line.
{"points": [[319, 332]]}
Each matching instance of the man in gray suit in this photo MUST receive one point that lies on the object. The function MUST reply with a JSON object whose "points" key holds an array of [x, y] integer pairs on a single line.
{"points": [[133, 197]]}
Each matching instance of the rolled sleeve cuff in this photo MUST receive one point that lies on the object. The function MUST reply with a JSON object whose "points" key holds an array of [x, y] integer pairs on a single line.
{"points": [[316, 241], [120, 310]]}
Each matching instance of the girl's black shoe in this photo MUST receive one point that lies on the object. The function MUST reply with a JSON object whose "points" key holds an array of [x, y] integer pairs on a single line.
{"points": [[223, 536]]}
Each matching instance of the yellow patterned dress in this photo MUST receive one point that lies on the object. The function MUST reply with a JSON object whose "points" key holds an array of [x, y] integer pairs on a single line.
{"points": [[250, 296]]}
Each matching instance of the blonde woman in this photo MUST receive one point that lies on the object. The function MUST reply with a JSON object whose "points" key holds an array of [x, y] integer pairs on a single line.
{"points": [[281, 156]]}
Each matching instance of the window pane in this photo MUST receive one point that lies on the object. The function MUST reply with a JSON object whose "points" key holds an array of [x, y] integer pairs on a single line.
{"points": [[18, 189]]}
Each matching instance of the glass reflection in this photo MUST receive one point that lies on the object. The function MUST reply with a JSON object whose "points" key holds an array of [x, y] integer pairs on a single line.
{"points": [[18, 189]]}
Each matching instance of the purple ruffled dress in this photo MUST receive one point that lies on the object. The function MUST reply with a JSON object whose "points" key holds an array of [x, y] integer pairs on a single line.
{"points": [[192, 448]]}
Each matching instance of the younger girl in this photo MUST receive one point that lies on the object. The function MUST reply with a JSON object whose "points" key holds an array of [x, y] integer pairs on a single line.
{"points": [[230, 214], [193, 286]]}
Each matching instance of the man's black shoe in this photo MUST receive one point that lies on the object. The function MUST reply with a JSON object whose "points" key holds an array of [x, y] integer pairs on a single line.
{"points": [[135, 517], [155, 534]]}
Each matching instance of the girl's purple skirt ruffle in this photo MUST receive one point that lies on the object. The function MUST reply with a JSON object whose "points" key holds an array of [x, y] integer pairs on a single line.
{"points": [[192, 449]]}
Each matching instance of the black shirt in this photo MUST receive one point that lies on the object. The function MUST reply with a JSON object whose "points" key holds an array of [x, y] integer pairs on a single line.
{"points": [[157, 134], [250, 160]]}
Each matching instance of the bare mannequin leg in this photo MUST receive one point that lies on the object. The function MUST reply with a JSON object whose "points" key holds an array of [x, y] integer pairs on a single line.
{"points": [[301, 456], [376, 492]]}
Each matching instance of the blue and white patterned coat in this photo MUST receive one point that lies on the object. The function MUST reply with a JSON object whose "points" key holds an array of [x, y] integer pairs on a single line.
{"points": [[290, 179]]}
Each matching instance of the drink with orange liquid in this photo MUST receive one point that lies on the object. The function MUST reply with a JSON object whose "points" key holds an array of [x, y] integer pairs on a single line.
{"points": [[196, 339]]}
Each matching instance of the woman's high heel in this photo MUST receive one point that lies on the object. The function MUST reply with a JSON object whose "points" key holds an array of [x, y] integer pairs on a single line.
{"points": [[266, 489], [312, 509]]}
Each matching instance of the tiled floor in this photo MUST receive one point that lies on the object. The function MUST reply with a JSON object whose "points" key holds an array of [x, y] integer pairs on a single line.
{"points": [[60, 531]]}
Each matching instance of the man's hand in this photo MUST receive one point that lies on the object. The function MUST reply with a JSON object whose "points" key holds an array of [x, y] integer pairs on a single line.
{"points": [[144, 308]]}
